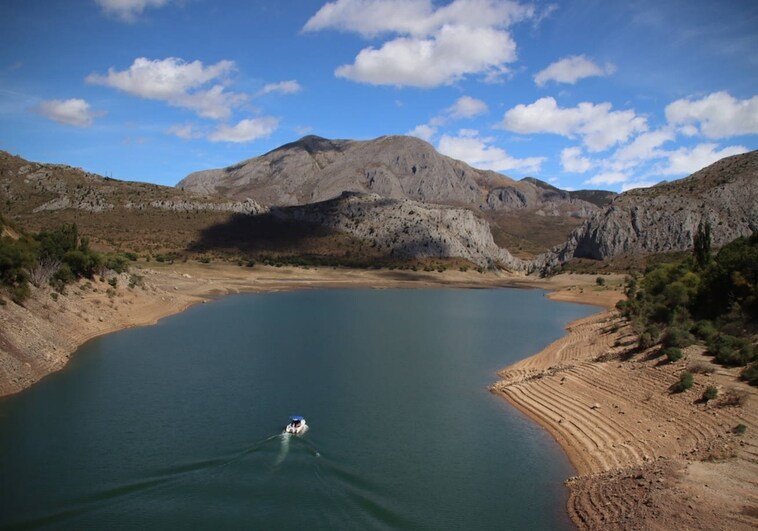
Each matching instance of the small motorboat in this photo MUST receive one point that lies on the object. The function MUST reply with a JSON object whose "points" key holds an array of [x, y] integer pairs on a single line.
{"points": [[297, 425]]}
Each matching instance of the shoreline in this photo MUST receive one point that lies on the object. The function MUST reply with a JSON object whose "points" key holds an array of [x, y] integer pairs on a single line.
{"points": [[645, 458]]}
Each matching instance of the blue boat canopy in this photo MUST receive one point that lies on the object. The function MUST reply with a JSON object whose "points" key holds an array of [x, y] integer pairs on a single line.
{"points": [[296, 418]]}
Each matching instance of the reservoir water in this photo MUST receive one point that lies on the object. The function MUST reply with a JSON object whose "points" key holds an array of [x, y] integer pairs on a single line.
{"points": [[178, 425]]}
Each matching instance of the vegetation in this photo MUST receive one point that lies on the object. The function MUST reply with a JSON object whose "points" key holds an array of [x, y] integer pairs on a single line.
{"points": [[702, 297], [55, 257], [686, 381], [710, 393]]}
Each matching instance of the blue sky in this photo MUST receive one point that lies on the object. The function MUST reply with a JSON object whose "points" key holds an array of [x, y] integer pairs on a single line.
{"points": [[584, 94]]}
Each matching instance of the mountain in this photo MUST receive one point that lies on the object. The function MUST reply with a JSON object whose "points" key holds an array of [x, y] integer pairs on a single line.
{"points": [[136, 216], [315, 169], [665, 218], [354, 228]]}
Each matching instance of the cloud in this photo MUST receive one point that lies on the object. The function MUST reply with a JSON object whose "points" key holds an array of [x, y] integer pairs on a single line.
{"points": [[186, 131], [571, 69], [597, 125], [246, 130], [433, 46], [74, 111], [717, 115], [464, 107], [645, 146], [424, 132], [685, 161], [453, 53], [370, 18], [478, 152], [285, 87], [467, 107], [128, 10], [573, 162], [608, 178], [178, 83]]}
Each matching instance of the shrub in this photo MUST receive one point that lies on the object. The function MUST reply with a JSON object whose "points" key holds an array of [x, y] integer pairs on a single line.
{"points": [[677, 337], [739, 429], [686, 380], [700, 368], [750, 374], [600, 281], [730, 350], [710, 393], [673, 354], [705, 330]]}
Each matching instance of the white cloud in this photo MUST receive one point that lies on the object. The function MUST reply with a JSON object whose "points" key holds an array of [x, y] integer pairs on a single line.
{"points": [[423, 131], [572, 160], [685, 161], [128, 10], [172, 79], [477, 152], [74, 111], [285, 87], [246, 130], [370, 18], [451, 54], [467, 107], [464, 107], [717, 115], [571, 69], [186, 131], [645, 146], [434, 45], [597, 125], [610, 177]]}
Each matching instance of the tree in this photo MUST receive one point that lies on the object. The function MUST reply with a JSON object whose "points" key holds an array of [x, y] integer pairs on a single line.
{"points": [[702, 244]]}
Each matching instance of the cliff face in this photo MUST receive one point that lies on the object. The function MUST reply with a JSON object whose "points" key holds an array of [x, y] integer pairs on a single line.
{"points": [[407, 229], [665, 218]]}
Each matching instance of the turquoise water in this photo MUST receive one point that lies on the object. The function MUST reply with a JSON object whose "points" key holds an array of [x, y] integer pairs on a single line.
{"points": [[178, 425]]}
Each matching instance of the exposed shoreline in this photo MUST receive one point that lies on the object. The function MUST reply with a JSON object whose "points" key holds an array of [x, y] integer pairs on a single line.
{"points": [[645, 458], [636, 448]]}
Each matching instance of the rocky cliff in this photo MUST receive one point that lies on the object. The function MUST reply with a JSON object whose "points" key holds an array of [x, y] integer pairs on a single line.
{"points": [[407, 229], [664, 218]]}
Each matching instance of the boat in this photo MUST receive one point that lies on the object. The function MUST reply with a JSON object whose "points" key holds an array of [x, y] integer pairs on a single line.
{"points": [[297, 425]]}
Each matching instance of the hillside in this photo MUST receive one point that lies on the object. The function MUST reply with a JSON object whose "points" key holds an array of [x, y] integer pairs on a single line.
{"points": [[151, 219], [315, 169], [664, 218]]}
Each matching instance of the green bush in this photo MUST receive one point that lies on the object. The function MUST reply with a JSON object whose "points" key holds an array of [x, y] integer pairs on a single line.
{"points": [[600, 281], [730, 350], [673, 354], [677, 337], [686, 380], [739, 429], [705, 330], [710, 393]]}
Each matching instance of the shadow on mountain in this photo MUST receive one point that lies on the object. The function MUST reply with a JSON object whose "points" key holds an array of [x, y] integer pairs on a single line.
{"points": [[266, 233]]}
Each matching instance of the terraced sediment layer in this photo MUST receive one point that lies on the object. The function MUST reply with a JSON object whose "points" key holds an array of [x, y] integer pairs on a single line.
{"points": [[646, 458]]}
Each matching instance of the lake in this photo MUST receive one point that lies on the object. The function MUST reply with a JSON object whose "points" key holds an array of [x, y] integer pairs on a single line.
{"points": [[179, 425]]}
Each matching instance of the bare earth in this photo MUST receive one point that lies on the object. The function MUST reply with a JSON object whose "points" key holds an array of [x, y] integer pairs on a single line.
{"points": [[645, 458]]}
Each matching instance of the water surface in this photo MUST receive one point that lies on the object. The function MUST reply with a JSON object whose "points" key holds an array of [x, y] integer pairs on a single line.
{"points": [[178, 425]]}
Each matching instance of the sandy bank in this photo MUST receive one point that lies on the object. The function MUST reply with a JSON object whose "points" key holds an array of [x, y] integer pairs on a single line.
{"points": [[646, 458]]}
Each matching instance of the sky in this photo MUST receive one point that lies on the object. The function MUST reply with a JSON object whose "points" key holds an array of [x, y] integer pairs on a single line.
{"points": [[582, 94]]}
